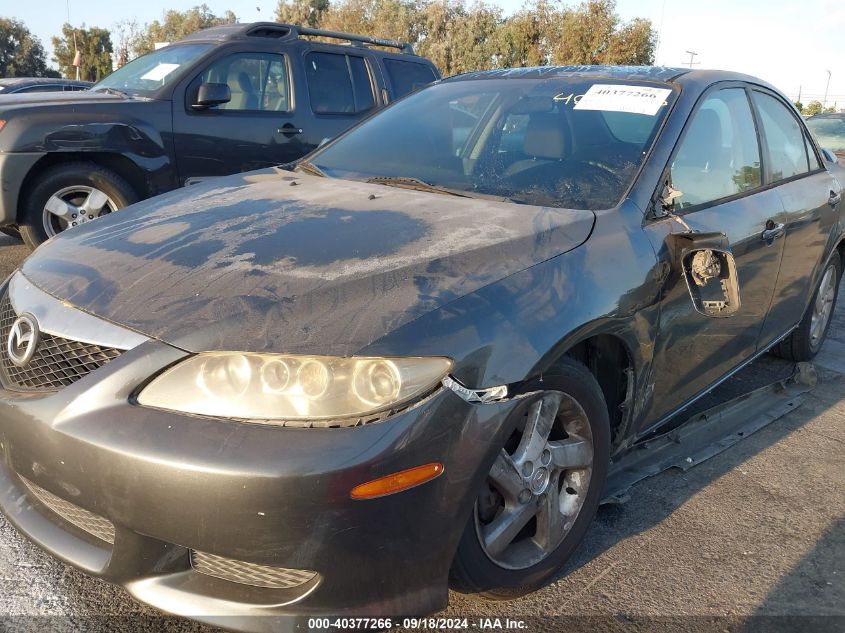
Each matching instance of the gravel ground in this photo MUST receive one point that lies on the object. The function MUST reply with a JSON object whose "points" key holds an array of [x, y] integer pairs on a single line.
{"points": [[756, 531]]}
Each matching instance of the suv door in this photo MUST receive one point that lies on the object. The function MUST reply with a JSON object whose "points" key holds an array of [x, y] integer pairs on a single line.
{"points": [[257, 128], [717, 188], [809, 195]]}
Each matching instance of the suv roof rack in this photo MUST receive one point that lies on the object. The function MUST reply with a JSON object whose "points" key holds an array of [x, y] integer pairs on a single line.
{"points": [[279, 30]]}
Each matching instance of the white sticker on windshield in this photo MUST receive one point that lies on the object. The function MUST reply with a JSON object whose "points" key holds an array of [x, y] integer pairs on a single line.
{"points": [[160, 72], [618, 98]]}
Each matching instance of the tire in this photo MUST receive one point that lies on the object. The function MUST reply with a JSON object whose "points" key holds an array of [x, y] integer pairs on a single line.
{"points": [[516, 570], [807, 339], [73, 185]]}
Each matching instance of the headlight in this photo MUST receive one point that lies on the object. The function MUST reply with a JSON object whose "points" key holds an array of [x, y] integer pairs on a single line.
{"points": [[286, 387]]}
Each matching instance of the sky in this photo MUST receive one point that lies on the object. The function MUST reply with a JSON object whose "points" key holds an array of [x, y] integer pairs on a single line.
{"points": [[790, 44]]}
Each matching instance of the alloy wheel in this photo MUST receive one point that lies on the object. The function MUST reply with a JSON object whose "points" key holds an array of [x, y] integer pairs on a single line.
{"points": [[823, 306], [75, 205], [537, 485]]}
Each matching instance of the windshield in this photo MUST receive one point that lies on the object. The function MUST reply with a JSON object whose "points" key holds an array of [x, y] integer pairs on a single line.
{"points": [[829, 132], [533, 141], [149, 73]]}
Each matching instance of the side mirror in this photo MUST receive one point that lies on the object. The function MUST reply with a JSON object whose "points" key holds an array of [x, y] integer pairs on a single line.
{"points": [[211, 95], [829, 156]]}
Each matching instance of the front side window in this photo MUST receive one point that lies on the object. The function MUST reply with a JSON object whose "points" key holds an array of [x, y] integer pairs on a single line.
{"points": [[514, 139], [784, 138], [719, 155], [406, 77], [338, 84], [152, 71], [258, 82]]}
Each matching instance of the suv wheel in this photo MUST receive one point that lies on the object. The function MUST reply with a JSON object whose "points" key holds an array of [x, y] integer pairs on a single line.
{"points": [[69, 195], [542, 492]]}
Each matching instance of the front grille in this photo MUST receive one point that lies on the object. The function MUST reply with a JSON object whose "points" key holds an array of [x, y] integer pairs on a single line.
{"points": [[249, 573], [57, 362], [87, 521]]}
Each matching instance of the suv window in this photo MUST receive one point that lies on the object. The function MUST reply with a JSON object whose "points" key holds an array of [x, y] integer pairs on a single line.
{"points": [[406, 77], [783, 137], [719, 155], [258, 81], [338, 83], [829, 132]]}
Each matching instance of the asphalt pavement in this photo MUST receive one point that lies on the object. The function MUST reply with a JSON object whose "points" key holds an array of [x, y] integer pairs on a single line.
{"points": [[753, 539]]}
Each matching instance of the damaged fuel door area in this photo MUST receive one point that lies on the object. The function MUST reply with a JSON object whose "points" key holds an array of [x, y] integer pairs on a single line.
{"points": [[709, 269]]}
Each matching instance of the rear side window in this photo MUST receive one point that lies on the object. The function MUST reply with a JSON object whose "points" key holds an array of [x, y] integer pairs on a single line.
{"points": [[406, 77], [784, 138], [338, 84], [719, 155]]}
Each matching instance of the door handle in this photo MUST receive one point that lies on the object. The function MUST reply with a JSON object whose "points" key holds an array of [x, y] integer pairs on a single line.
{"points": [[834, 198], [773, 231], [289, 129]]}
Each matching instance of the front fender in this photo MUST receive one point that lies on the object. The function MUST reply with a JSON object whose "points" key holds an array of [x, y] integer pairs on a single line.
{"points": [[515, 329]]}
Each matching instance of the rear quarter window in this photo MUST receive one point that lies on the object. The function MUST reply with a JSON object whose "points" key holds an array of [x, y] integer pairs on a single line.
{"points": [[406, 77]]}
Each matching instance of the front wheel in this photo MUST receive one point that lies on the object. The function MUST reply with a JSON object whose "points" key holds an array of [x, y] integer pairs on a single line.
{"points": [[69, 195], [807, 339], [542, 491]]}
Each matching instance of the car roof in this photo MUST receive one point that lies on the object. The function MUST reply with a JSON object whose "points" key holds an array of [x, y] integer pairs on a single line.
{"points": [[827, 115], [682, 76], [288, 32]]}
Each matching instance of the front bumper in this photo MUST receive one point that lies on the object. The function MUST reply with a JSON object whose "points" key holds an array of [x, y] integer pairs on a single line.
{"points": [[13, 170], [272, 496]]}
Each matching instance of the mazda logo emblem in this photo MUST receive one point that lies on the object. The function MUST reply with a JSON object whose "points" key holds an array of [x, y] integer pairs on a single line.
{"points": [[23, 339]]}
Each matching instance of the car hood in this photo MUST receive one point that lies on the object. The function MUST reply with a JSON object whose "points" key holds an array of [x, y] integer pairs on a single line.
{"points": [[70, 97], [276, 261]]}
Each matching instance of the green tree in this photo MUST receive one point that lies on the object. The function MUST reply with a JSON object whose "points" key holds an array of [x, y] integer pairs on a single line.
{"points": [[95, 47], [304, 12], [798, 105], [175, 25], [814, 107], [21, 53], [593, 33]]}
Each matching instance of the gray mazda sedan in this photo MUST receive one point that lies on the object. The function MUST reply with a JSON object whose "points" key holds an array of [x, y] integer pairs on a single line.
{"points": [[405, 363]]}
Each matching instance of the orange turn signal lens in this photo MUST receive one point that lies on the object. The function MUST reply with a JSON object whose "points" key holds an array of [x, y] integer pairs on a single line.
{"points": [[397, 482], [2, 123]]}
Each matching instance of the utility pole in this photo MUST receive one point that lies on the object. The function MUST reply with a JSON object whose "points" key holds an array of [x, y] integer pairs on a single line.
{"points": [[692, 55], [824, 104], [660, 34]]}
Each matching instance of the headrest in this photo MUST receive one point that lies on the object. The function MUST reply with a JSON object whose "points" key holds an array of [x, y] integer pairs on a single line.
{"points": [[545, 136]]}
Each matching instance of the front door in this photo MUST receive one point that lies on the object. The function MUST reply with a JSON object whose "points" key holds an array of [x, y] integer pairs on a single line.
{"points": [[257, 128], [716, 189]]}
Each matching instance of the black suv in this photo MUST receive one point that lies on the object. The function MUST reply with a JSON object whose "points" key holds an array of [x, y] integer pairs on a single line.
{"points": [[227, 99]]}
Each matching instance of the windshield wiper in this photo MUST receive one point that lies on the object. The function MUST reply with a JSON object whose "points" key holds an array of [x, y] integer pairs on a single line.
{"points": [[112, 91], [310, 168], [406, 182]]}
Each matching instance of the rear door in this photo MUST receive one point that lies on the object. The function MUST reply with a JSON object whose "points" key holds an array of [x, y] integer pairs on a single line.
{"points": [[807, 192], [716, 189], [258, 128]]}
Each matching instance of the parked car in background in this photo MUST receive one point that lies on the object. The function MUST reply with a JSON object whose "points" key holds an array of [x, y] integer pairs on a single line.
{"points": [[329, 390], [26, 85], [829, 130], [224, 100]]}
